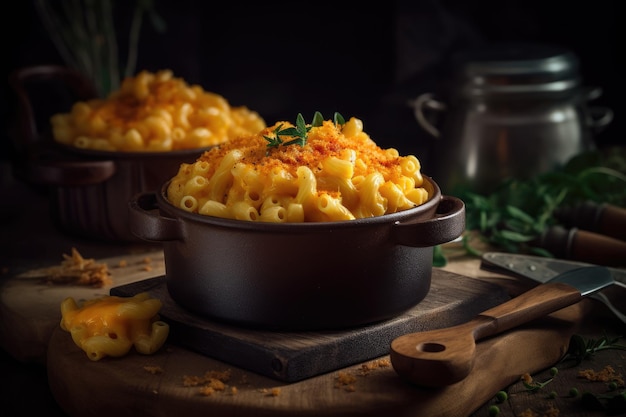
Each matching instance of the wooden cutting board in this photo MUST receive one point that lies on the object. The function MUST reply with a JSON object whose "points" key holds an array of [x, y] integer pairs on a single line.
{"points": [[30, 310], [293, 356], [154, 385]]}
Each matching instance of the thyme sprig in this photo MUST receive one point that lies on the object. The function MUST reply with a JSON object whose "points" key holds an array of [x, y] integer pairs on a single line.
{"points": [[581, 349], [299, 132]]}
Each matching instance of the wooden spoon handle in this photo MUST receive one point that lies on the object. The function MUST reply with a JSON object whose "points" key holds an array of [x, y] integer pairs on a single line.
{"points": [[533, 304], [444, 356]]}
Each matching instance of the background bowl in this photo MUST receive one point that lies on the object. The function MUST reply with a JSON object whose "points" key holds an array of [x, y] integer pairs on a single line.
{"points": [[89, 189]]}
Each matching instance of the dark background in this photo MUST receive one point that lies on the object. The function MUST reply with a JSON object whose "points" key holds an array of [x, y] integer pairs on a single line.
{"points": [[364, 59]]}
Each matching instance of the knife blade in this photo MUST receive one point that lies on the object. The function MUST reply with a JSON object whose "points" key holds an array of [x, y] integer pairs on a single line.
{"points": [[441, 357], [542, 269], [539, 268]]}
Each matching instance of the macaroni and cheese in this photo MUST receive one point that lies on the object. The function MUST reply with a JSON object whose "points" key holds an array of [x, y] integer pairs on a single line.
{"points": [[110, 325], [154, 112], [339, 173]]}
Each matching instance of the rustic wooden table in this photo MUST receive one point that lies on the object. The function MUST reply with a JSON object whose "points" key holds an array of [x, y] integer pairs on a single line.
{"points": [[30, 240]]}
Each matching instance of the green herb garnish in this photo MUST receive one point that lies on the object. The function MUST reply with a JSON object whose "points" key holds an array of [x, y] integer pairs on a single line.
{"points": [[581, 349], [513, 217], [299, 134]]}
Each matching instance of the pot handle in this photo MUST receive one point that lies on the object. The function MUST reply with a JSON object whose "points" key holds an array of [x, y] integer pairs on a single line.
{"points": [[447, 225], [38, 161], [64, 173], [26, 124], [427, 103], [146, 222], [598, 117]]}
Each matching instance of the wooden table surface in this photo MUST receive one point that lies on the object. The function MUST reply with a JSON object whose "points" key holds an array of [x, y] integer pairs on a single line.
{"points": [[30, 240]]}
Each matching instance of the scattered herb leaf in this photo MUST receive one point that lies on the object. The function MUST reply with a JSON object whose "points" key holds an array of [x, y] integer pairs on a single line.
{"points": [[535, 385]]}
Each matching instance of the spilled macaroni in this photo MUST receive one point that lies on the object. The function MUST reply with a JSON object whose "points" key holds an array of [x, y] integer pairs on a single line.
{"points": [[153, 112], [338, 174], [111, 325]]}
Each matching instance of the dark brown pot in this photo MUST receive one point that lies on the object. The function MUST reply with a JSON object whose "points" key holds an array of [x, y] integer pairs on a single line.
{"points": [[298, 276]]}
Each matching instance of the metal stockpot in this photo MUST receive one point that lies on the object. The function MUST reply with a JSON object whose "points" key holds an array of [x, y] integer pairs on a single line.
{"points": [[512, 111], [299, 276]]}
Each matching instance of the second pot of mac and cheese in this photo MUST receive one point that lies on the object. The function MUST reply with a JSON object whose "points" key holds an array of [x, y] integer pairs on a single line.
{"points": [[101, 152]]}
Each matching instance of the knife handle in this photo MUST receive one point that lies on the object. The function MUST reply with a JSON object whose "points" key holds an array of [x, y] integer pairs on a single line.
{"points": [[442, 357], [584, 246], [606, 219]]}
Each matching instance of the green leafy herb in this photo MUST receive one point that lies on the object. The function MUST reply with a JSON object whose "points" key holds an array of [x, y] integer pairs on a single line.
{"points": [[338, 119], [514, 216], [298, 135], [581, 349]]}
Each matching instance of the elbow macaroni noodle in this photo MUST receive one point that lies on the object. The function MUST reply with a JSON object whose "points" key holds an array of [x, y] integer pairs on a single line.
{"points": [[111, 326], [153, 112], [339, 174]]}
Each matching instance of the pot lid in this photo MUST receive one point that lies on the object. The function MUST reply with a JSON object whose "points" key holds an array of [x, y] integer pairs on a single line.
{"points": [[516, 68]]}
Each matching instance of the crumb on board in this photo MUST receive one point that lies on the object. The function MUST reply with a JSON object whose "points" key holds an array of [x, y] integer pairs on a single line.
{"points": [[607, 374], [346, 380], [154, 370], [74, 269], [211, 382], [368, 367], [123, 263], [273, 392], [550, 411]]}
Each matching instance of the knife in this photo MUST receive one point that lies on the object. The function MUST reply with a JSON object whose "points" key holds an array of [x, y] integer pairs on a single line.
{"points": [[542, 269], [441, 357]]}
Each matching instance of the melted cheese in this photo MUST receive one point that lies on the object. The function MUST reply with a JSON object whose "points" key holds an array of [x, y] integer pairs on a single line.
{"points": [[110, 326]]}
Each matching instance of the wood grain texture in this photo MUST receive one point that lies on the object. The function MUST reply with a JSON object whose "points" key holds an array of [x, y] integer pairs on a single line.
{"points": [[123, 387], [30, 310], [293, 356], [443, 356]]}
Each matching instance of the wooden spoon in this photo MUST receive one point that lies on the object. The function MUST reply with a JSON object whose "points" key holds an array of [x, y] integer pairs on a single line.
{"points": [[442, 357]]}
